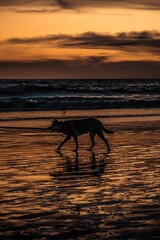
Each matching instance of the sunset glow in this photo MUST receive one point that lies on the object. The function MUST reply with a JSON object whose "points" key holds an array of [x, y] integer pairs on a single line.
{"points": [[108, 31]]}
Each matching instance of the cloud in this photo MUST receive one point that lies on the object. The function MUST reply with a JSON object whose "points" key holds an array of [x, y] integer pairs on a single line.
{"points": [[79, 68], [27, 11], [7, 3], [64, 4], [34, 40], [137, 4], [81, 4], [131, 41]]}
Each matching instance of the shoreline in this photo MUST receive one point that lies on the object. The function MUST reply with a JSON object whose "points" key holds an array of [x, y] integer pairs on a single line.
{"points": [[80, 113], [131, 123]]}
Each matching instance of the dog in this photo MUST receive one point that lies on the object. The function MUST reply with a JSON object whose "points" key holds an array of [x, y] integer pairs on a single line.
{"points": [[75, 128]]}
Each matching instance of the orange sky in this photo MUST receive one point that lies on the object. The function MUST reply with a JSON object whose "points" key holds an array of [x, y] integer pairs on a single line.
{"points": [[56, 30]]}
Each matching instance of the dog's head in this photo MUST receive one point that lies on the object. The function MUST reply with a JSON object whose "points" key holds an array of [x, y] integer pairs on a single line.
{"points": [[56, 126]]}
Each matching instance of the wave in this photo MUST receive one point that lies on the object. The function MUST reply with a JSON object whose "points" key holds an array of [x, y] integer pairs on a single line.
{"points": [[75, 103], [78, 94], [13, 87]]}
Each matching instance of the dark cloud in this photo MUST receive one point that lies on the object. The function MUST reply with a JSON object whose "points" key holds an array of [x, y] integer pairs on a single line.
{"points": [[34, 40], [34, 10], [131, 41], [122, 41], [6, 3], [137, 4], [79, 68], [75, 4], [64, 4]]}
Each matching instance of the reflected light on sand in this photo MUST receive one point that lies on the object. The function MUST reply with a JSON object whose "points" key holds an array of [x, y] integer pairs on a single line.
{"points": [[68, 190]]}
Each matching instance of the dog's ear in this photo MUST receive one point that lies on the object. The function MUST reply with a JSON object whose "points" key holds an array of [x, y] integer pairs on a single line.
{"points": [[55, 120]]}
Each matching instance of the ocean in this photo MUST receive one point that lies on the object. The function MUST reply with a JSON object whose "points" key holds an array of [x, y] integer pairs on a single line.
{"points": [[18, 95]]}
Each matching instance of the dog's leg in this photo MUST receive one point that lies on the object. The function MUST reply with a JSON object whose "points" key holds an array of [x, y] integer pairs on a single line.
{"points": [[92, 135], [65, 140], [100, 134], [76, 142]]}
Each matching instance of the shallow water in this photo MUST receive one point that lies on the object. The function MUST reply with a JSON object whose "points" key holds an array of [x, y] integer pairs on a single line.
{"points": [[89, 195]]}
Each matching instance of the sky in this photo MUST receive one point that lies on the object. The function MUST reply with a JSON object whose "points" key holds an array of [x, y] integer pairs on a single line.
{"points": [[79, 39]]}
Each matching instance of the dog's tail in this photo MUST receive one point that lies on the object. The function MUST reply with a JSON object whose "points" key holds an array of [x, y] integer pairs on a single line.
{"points": [[107, 131]]}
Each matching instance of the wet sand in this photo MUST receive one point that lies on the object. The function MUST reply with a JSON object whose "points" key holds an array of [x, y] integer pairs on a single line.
{"points": [[84, 195]]}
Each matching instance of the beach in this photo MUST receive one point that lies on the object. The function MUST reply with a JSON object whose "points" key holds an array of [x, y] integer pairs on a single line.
{"points": [[67, 61], [86, 195]]}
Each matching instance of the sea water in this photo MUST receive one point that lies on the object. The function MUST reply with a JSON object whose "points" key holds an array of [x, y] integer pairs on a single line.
{"points": [[78, 94]]}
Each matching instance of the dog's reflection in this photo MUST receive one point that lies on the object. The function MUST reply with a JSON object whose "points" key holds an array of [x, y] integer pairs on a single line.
{"points": [[77, 167]]}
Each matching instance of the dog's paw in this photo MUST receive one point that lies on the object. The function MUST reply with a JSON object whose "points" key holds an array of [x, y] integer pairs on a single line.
{"points": [[75, 150], [58, 150], [89, 149]]}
